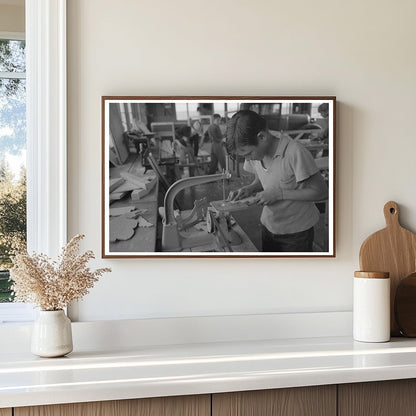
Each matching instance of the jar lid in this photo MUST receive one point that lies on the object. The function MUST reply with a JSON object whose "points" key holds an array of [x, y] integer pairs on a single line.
{"points": [[372, 275]]}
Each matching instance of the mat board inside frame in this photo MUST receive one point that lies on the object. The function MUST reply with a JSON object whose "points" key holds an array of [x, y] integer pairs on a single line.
{"points": [[218, 176]]}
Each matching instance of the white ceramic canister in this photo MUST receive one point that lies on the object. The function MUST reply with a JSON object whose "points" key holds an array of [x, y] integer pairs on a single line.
{"points": [[371, 309], [52, 334]]}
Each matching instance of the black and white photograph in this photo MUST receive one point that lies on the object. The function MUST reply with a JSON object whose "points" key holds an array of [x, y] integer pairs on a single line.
{"points": [[218, 176]]}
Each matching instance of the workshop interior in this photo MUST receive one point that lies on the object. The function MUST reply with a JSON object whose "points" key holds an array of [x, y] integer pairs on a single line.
{"points": [[167, 182]]}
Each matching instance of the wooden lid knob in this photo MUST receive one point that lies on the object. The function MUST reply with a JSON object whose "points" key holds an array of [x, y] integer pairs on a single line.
{"points": [[372, 275]]}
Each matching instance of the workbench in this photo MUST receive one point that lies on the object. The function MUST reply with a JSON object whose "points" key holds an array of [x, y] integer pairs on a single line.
{"points": [[144, 239], [245, 246]]}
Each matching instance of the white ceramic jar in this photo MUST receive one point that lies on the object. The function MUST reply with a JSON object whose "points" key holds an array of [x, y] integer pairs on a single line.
{"points": [[371, 308], [52, 334]]}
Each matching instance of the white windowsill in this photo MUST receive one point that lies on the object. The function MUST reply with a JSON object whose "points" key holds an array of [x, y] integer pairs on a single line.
{"points": [[132, 333], [16, 313]]}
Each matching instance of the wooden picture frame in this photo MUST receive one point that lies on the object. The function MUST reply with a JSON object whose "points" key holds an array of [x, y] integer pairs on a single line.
{"points": [[160, 198]]}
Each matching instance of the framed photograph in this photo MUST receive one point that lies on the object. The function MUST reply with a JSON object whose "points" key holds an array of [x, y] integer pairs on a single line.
{"points": [[218, 176]]}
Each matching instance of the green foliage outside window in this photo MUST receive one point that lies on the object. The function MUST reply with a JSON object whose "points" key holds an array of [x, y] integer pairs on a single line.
{"points": [[12, 224]]}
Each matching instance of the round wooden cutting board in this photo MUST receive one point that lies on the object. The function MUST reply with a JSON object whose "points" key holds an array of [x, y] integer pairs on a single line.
{"points": [[392, 250]]}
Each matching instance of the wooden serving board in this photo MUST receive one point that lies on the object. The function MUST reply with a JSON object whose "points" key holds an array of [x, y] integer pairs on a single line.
{"points": [[392, 250], [405, 306]]}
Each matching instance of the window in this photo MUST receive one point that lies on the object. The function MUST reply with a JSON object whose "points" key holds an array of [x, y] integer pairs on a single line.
{"points": [[12, 155], [219, 109], [187, 110], [46, 135]]}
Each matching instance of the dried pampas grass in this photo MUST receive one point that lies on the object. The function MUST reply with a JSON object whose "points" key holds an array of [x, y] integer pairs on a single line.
{"points": [[53, 285]]}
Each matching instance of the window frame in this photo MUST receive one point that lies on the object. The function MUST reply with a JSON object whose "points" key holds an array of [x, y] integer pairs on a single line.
{"points": [[46, 114], [12, 35], [46, 125]]}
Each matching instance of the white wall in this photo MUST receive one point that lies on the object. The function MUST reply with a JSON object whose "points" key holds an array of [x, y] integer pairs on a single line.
{"points": [[360, 51]]}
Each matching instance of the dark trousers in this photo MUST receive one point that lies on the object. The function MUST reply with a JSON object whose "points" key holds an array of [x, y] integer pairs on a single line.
{"points": [[195, 143], [296, 242], [217, 156]]}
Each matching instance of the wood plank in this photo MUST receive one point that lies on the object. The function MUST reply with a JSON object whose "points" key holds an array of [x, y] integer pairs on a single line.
{"points": [[5, 412], [115, 183], [381, 398], [231, 206], [160, 406], [300, 401]]}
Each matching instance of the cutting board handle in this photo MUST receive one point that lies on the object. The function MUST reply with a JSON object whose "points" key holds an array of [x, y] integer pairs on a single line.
{"points": [[391, 214]]}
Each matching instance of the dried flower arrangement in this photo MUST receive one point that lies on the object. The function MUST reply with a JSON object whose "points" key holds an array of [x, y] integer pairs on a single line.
{"points": [[52, 285]]}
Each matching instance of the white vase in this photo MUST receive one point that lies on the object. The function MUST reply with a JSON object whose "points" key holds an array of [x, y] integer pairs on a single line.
{"points": [[52, 334]]}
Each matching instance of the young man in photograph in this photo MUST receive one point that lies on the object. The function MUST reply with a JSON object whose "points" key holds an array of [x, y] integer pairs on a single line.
{"points": [[286, 182]]}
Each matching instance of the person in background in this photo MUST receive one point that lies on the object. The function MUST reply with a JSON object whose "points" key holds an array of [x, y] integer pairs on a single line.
{"points": [[223, 126], [183, 148], [196, 135], [286, 182], [217, 147]]}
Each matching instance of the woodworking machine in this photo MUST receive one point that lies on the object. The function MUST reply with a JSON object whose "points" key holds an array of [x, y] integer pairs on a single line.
{"points": [[173, 236]]}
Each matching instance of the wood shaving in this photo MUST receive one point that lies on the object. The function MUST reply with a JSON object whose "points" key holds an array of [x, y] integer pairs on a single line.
{"points": [[144, 223]]}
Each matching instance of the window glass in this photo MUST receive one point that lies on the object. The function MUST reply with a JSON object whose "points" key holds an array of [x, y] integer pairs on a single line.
{"points": [[219, 109], [232, 107], [181, 112], [193, 110], [183, 109], [12, 55], [314, 111], [286, 108], [12, 156]]}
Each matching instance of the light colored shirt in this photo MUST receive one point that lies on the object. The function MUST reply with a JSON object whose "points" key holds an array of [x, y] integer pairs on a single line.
{"points": [[292, 163]]}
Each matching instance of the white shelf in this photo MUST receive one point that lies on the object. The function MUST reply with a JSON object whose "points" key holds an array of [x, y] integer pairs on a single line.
{"points": [[151, 371]]}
